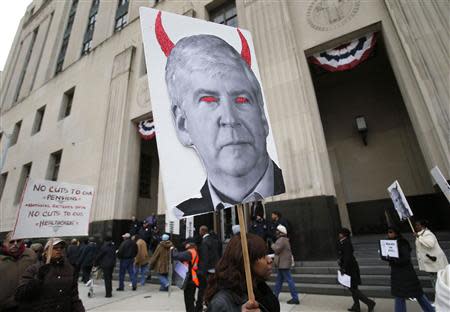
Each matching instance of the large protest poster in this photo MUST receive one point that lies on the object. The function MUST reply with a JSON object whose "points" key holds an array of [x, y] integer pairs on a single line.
{"points": [[51, 209], [401, 205], [214, 138]]}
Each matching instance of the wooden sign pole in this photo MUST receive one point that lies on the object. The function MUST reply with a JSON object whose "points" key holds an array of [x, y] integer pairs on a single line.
{"points": [[49, 251], [412, 227], [248, 272]]}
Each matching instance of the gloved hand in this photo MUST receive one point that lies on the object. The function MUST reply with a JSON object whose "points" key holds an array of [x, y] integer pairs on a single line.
{"points": [[43, 271]]}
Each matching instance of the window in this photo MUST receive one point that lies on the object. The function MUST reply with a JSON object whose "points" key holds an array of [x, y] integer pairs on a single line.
{"points": [[65, 42], [225, 14], [25, 64], [121, 15], [38, 120], [26, 169], [15, 134], [89, 34], [66, 105], [54, 164], [3, 178]]}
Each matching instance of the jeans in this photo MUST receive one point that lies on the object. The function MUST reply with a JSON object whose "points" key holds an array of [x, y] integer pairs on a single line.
{"points": [[163, 280], [127, 265], [285, 275], [400, 304], [143, 269]]}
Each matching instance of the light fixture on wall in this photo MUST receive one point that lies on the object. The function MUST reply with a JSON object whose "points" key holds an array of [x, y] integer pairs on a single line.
{"points": [[361, 125]]}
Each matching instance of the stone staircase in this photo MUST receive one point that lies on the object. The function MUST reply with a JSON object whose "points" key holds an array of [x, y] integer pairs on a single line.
{"points": [[319, 277]]}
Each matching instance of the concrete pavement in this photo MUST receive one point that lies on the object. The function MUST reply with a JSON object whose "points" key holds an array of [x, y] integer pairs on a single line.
{"points": [[148, 298]]}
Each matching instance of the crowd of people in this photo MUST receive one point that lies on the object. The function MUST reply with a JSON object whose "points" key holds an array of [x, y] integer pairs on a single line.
{"points": [[45, 278]]}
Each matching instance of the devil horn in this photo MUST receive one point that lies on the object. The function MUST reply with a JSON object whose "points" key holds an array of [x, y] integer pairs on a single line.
{"points": [[164, 41], [245, 53]]}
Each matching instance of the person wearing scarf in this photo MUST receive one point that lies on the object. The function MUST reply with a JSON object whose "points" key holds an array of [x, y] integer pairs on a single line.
{"points": [[14, 259]]}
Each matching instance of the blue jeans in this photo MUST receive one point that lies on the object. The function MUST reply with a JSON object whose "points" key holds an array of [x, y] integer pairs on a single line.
{"points": [[285, 275], [400, 305], [163, 280], [126, 265], [143, 269]]}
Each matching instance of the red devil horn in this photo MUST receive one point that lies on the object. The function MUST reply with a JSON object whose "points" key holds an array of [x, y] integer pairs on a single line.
{"points": [[245, 53], [161, 35]]}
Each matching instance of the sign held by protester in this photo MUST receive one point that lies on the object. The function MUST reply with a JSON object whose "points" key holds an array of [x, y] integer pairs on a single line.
{"points": [[441, 181], [51, 209], [214, 137], [190, 227], [389, 248], [400, 203]]}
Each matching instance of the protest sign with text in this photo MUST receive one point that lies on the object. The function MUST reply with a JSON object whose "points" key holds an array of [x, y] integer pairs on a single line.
{"points": [[52, 209], [389, 248]]}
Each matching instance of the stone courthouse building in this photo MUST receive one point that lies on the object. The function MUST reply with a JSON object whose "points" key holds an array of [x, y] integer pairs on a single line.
{"points": [[74, 90]]}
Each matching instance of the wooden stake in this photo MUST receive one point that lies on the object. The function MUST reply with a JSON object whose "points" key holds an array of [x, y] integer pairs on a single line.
{"points": [[412, 228], [49, 251], [248, 272]]}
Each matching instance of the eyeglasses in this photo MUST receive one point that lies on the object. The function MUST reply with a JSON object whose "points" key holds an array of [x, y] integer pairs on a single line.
{"points": [[15, 241]]}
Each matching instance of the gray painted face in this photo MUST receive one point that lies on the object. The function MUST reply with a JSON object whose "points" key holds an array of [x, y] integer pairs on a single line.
{"points": [[217, 106]]}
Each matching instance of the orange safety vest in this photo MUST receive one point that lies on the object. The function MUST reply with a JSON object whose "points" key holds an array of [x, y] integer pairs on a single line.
{"points": [[194, 262]]}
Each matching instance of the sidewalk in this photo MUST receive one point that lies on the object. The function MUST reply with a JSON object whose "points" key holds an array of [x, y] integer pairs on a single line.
{"points": [[148, 298]]}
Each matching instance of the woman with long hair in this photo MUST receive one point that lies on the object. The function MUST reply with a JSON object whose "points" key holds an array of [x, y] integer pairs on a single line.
{"points": [[227, 290]]}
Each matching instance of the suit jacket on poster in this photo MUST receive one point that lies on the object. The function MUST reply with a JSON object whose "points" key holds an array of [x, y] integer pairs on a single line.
{"points": [[204, 204]]}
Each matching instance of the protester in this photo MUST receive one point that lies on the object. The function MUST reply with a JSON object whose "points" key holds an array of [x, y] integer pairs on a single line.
{"points": [[151, 220], [126, 254], [87, 257], [49, 287], [81, 248], [135, 226], [277, 219], [430, 256], [442, 299], [141, 260], [283, 261], [159, 262], [190, 258], [349, 266], [73, 254], [259, 227], [106, 260], [156, 238], [146, 233], [404, 281], [227, 289], [14, 259], [209, 256], [38, 249]]}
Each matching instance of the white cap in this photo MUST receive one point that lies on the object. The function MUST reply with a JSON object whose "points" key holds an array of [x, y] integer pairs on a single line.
{"points": [[126, 235], [236, 229], [282, 229], [56, 241]]}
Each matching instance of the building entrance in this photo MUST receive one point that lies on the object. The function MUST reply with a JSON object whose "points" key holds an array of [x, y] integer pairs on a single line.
{"points": [[365, 163], [147, 203]]}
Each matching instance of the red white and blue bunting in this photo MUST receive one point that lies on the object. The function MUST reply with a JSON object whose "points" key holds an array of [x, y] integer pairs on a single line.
{"points": [[146, 129], [346, 56]]}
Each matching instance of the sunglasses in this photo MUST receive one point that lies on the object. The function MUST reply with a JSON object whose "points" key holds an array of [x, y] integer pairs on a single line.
{"points": [[15, 241]]}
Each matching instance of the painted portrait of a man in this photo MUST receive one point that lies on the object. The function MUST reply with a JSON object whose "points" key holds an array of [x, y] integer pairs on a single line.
{"points": [[217, 109]]}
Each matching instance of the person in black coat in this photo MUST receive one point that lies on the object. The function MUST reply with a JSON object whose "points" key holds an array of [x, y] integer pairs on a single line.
{"points": [[349, 266], [106, 260], [404, 280], [126, 254], [87, 257], [73, 254]]}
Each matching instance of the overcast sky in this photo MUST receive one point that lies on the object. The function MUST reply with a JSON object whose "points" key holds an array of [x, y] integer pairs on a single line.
{"points": [[11, 11]]}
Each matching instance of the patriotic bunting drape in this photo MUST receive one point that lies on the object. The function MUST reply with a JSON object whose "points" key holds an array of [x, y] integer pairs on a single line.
{"points": [[146, 129], [346, 56]]}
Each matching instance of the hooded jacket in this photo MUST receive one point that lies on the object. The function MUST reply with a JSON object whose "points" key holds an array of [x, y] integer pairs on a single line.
{"points": [[160, 259]]}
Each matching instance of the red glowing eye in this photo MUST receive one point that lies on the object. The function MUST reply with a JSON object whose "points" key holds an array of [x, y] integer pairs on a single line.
{"points": [[241, 100], [209, 99]]}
